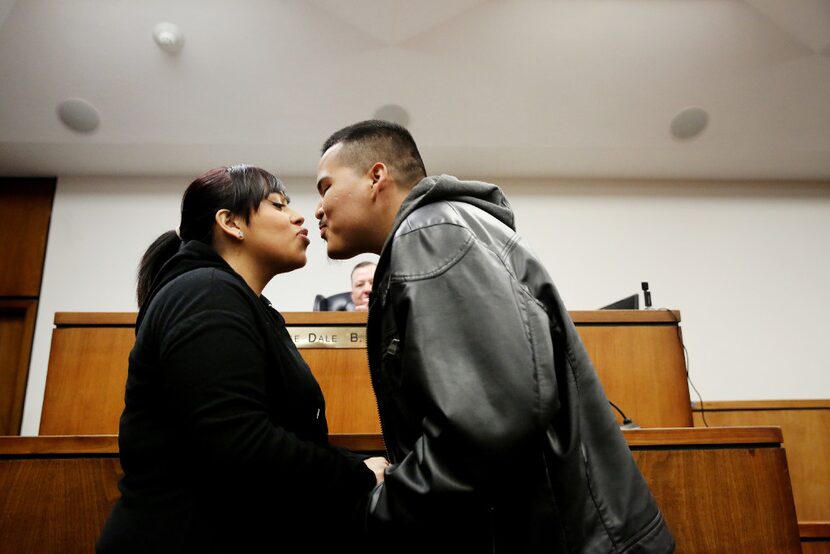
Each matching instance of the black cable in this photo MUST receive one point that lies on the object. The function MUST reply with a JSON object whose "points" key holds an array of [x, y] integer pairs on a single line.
{"points": [[628, 423], [686, 361]]}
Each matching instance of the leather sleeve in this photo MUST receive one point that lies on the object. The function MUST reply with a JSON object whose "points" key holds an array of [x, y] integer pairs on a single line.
{"points": [[472, 377]]}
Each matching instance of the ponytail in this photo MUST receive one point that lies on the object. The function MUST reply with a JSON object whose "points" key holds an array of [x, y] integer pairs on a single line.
{"points": [[162, 249]]}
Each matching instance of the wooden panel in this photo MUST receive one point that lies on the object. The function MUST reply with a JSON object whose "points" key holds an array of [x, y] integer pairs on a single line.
{"points": [[814, 530], [359, 318], [25, 209], [715, 437], [17, 324], [55, 492], [815, 537], [815, 547], [625, 316], [742, 405], [642, 370], [806, 428], [95, 319], [637, 439], [724, 500], [360, 443], [58, 445], [88, 371], [639, 359], [54, 503], [343, 375], [85, 382], [98, 319]]}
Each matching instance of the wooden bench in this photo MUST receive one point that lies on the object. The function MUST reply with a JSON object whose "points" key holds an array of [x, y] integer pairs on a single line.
{"points": [[720, 490], [638, 355], [56, 492], [806, 428]]}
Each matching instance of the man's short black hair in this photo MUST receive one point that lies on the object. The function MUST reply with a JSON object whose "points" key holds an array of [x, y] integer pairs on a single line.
{"points": [[375, 140]]}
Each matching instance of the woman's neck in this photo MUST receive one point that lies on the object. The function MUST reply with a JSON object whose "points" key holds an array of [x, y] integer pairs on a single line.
{"points": [[251, 273]]}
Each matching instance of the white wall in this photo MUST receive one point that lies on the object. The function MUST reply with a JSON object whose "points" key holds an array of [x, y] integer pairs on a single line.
{"points": [[746, 263]]}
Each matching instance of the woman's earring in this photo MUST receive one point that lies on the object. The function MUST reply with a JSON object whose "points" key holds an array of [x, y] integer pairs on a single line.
{"points": [[241, 235]]}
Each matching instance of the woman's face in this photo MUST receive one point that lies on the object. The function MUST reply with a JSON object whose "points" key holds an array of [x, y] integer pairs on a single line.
{"points": [[275, 237]]}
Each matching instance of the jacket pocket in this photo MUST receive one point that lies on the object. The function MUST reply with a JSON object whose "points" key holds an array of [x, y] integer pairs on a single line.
{"points": [[654, 537]]}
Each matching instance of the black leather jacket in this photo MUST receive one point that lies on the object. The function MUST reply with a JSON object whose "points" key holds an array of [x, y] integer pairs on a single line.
{"points": [[501, 436]]}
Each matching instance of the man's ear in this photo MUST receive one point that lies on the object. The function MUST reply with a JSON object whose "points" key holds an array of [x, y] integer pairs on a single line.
{"points": [[229, 224], [379, 174]]}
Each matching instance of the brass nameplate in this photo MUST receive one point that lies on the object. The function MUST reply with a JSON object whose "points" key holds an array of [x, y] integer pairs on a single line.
{"points": [[327, 337]]}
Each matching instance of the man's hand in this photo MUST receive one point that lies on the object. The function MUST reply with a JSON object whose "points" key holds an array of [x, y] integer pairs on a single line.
{"points": [[377, 464]]}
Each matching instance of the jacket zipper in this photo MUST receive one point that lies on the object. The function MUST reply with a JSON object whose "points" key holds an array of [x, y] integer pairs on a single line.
{"points": [[372, 298], [377, 407], [492, 529]]}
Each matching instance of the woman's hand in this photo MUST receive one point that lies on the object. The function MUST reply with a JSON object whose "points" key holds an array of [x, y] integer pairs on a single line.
{"points": [[377, 464]]}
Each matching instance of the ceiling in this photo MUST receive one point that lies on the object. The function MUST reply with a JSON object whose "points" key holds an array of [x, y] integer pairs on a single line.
{"points": [[544, 88]]}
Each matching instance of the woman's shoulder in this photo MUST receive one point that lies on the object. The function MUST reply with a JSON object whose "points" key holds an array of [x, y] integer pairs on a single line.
{"points": [[204, 289]]}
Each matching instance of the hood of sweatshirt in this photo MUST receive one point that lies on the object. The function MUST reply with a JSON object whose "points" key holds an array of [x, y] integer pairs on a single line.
{"points": [[485, 196], [191, 255]]}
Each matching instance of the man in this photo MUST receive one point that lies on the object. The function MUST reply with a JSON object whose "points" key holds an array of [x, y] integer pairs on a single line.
{"points": [[499, 433], [362, 278]]}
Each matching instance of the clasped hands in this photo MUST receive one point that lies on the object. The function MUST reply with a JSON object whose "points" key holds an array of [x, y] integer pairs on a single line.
{"points": [[378, 465]]}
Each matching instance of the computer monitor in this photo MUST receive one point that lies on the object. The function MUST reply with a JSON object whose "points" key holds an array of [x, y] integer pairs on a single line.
{"points": [[628, 303]]}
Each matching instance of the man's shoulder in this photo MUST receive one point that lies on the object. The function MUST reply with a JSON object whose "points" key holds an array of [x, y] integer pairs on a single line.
{"points": [[429, 241], [435, 213]]}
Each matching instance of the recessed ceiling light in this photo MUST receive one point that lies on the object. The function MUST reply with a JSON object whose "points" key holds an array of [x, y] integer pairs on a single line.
{"points": [[393, 113], [79, 115], [689, 123], [169, 37]]}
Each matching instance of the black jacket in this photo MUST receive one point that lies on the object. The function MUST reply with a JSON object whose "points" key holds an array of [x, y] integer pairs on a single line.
{"points": [[501, 436], [223, 438]]}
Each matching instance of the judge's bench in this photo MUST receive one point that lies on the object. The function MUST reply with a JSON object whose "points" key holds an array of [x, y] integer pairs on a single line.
{"points": [[722, 489]]}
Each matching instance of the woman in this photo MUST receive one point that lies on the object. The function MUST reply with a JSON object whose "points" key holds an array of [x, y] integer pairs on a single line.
{"points": [[223, 438]]}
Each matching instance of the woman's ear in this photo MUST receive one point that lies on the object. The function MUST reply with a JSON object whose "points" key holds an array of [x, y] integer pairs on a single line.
{"points": [[229, 224]]}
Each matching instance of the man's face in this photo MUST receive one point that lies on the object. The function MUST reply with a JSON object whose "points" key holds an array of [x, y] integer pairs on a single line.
{"points": [[362, 279], [344, 211]]}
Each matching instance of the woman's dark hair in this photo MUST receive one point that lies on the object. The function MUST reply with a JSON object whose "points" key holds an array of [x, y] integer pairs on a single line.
{"points": [[238, 188]]}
